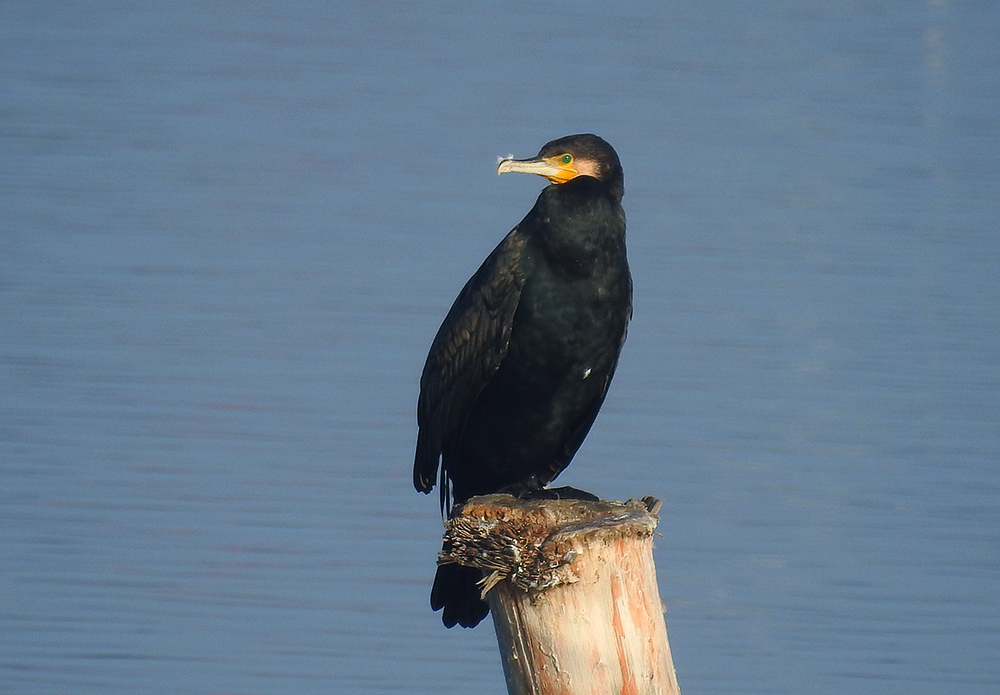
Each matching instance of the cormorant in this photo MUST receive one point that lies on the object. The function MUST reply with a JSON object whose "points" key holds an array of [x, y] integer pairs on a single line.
{"points": [[521, 364]]}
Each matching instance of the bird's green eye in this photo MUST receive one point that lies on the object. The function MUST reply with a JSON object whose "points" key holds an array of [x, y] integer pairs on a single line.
{"points": [[567, 158]]}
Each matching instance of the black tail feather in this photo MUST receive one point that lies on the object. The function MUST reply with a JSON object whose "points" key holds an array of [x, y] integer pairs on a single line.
{"points": [[457, 592]]}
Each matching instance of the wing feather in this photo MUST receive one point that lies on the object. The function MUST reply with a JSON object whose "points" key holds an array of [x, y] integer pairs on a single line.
{"points": [[465, 354]]}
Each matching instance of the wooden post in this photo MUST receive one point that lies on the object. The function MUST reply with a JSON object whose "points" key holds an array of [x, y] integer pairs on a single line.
{"points": [[572, 588]]}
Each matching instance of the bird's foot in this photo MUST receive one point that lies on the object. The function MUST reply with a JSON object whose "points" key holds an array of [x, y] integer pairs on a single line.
{"points": [[565, 493], [523, 489], [531, 489]]}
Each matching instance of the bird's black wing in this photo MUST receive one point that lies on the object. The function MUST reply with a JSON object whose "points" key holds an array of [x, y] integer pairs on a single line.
{"points": [[579, 431], [465, 354]]}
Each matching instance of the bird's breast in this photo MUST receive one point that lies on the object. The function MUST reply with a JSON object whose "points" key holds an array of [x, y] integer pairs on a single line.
{"points": [[580, 319]]}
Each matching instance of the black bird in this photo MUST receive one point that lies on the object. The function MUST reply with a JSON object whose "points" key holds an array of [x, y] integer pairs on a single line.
{"points": [[521, 364]]}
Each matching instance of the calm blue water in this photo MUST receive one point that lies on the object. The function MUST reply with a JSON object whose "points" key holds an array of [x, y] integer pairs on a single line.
{"points": [[228, 232]]}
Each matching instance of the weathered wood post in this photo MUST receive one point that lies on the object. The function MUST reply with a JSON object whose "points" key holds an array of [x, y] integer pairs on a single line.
{"points": [[572, 587]]}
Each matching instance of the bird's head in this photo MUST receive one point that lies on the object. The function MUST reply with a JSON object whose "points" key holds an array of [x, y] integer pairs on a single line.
{"points": [[566, 158]]}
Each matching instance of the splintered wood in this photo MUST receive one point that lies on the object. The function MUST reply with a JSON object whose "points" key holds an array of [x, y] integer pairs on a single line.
{"points": [[572, 588]]}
